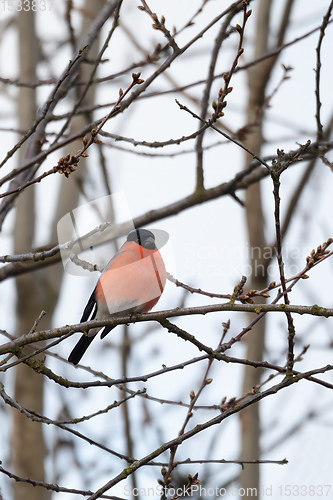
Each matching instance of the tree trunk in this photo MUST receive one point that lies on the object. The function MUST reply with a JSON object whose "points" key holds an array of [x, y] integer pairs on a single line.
{"points": [[250, 417], [28, 446], [39, 290]]}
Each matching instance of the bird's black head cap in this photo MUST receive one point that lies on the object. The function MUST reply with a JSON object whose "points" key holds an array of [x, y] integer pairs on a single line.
{"points": [[143, 237]]}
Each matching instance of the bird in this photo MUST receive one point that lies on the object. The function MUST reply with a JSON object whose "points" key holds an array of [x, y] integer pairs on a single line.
{"points": [[132, 282]]}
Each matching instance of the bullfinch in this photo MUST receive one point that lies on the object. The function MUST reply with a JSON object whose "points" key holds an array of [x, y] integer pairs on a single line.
{"points": [[132, 282]]}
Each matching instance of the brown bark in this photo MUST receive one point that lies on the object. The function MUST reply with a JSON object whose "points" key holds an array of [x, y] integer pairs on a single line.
{"points": [[258, 77], [250, 417], [39, 290], [28, 446]]}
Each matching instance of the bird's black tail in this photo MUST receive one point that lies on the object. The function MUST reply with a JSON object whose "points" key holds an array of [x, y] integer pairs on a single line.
{"points": [[80, 349]]}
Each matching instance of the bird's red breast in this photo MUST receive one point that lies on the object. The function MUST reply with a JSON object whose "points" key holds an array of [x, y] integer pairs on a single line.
{"points": [[135, 279]]}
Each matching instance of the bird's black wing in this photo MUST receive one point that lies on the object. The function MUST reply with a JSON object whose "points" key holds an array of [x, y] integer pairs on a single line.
{"points": [[89, 313], [106, 330], [90, 309], [80, 349]]}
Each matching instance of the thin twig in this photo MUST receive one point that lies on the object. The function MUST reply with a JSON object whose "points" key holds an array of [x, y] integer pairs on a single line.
{"points": [[323, 27]]}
